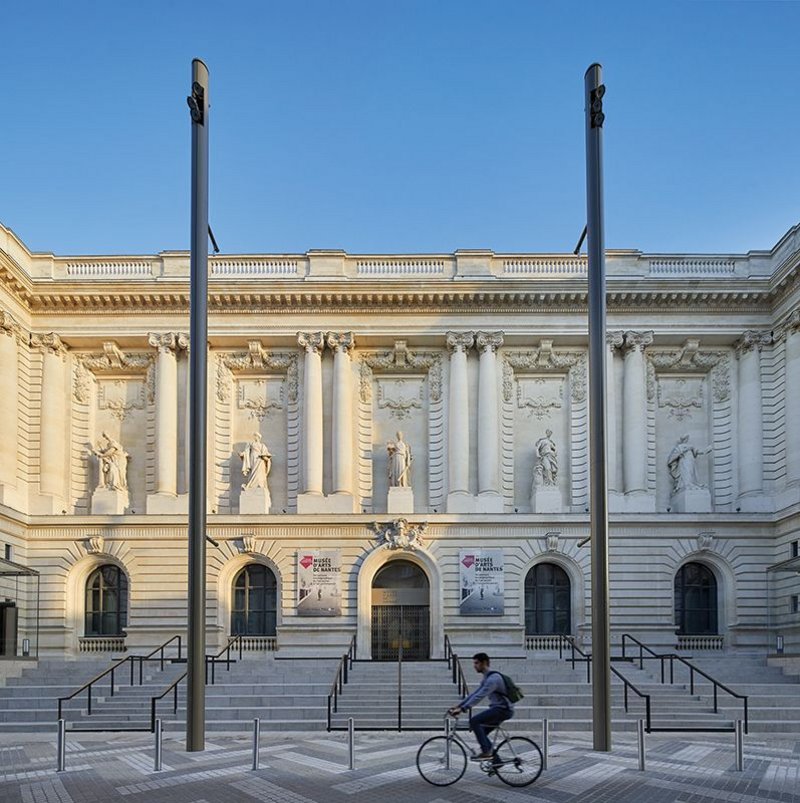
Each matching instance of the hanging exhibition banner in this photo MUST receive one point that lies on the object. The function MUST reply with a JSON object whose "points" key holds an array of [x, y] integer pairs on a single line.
{"points": [[319, 583], [482, 581]]}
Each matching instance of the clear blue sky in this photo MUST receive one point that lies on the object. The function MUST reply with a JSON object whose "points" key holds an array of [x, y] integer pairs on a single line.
{"points": [[400, 126]]}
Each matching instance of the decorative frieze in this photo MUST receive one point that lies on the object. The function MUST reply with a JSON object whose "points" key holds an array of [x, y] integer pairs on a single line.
{"points": [[400, 360]]}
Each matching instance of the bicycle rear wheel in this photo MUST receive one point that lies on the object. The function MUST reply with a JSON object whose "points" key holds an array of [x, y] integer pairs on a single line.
{"points": [[519, 761], [441, 761]]}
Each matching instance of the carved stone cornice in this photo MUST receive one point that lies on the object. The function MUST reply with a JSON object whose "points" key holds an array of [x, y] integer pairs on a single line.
{"points": [[168, 342], [256, 361], [311, 342], [49, 343], [341, 341], [637, 341], [486, 341], [401, 360], [752, 339], [460, 341], [788, 325], [112, 362], [546, 360]]}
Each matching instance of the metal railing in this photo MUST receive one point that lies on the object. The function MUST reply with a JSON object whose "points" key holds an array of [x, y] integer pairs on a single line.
{"points": [[341, 677], [693, 670], [455, 665], [113, 671], [213, 660]]}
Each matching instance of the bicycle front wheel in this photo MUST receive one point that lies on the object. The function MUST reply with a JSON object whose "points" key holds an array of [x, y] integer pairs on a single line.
{"points": [[519, 761], [441, 761]]}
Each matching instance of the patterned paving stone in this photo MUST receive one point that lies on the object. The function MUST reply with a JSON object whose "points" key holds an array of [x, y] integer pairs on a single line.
{"points": [[312, 768]]}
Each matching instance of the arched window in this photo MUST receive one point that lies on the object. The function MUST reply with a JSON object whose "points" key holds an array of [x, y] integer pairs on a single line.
{"points": [[255, 602], [695, 600], [547, 601], [106, 602]]}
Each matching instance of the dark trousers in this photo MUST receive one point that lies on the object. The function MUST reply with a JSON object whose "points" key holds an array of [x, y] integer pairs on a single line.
{"points": [[485, 722]]}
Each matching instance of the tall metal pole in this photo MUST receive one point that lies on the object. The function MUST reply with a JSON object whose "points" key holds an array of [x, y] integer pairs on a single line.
{"points": [[598, 500], [198, 311]]}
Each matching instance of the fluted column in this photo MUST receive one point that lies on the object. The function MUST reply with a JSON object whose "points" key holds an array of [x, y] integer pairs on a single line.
{"points": [[634, 407], [614, 341], [458, 424], [340, 344], [53, 427], [791, 398], [751, 418], [9, 399], [312, 342], [488, 414], [166, 412]]}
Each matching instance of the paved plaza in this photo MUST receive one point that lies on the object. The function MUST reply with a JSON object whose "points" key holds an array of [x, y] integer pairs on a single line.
{"points": [[313, 768]]}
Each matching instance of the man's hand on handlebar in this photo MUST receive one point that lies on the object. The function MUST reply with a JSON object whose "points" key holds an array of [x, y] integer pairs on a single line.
{"points": [[455, 711]]}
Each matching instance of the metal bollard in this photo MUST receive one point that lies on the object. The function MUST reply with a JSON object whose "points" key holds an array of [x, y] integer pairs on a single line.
{"points": [[157, 754], [61, 747], [256, 741], [545, 742], [640, 733], [351, 743], [739, 745]]}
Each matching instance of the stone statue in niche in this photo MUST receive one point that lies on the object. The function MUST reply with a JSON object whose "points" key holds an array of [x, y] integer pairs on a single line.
{"points": [[256, 463], [113, 464], [400, 459], [111, 495], [682, 464], [688, 494], [545, 472]]}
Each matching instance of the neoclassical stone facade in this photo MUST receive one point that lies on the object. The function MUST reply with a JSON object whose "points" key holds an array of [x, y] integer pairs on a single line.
{"points": [[469, 371]]}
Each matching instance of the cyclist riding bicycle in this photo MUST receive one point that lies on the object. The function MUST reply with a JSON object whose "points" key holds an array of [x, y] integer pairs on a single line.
{"points": [[500, 707]]}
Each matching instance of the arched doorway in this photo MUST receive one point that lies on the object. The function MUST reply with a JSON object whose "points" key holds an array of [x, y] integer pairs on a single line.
{"points": [[547, 601], [254, 609], [696, 611], [400, 612], [106, 608]]}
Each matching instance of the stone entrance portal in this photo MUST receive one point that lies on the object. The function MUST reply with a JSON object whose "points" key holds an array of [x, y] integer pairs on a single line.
{"points": [[400, 613]]}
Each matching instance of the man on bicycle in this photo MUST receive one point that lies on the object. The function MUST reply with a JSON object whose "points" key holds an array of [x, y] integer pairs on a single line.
{"points": [[500, 707]]}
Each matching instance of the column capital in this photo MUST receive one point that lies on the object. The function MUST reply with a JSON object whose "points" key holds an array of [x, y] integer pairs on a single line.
{"points": [[49, 343], [9, 325], [615, 339], [460, 341], [168, 342], [637, 341], [341, 341], [488, 341], [312, 342], [752, 339]]}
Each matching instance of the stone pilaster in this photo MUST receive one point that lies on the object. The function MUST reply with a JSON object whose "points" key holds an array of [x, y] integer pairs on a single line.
{"points": [[634, 435], [459, 499], [312, 343], [792, 397], [165, 499], [614, 342], [489, 498], [53, 423], [341, 344], [9, 402], [751, 421]]}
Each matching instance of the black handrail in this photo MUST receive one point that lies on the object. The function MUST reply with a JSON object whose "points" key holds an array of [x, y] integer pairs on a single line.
{"points": [[173, 687], [672, 657], [453, 663], [341, 677], [132, 659]]}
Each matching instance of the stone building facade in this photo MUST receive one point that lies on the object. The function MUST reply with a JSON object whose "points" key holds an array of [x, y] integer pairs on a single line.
{"points": [[398, 448]]}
